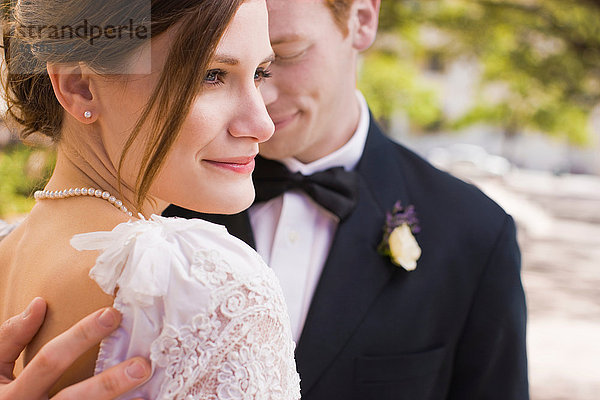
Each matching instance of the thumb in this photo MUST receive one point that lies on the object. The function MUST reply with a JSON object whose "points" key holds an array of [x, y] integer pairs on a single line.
{"points": [[17, 332]]}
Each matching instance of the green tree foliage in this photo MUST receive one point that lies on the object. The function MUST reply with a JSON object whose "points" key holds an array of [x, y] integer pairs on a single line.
{"points": [[543, 55], [22, 171], [391, 83], [391, 77]]}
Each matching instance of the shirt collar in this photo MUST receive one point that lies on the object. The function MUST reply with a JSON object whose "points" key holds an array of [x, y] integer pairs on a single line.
{"points": [[346, 156]]}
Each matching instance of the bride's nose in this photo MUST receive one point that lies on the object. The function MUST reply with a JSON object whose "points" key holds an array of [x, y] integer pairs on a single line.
{"points": [[251, 118]]}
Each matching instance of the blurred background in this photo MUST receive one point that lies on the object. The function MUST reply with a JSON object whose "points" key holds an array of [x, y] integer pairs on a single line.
{"points": [[506, 95]]}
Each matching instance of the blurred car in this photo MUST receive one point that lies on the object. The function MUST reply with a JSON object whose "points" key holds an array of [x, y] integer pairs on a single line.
{"points": [[469, 158]]}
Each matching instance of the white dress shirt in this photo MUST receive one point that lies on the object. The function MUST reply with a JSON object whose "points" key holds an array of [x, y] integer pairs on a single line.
{"points": [[293, 234]]}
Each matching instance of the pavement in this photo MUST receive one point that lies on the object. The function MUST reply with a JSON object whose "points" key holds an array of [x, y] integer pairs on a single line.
{"points": [[558, 220]]}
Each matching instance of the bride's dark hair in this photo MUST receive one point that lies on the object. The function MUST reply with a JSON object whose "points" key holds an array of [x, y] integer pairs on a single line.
{"points": [[31, 41]]}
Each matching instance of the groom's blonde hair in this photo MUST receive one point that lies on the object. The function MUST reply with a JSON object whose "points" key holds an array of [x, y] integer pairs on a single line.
{"points": [[340, 9]]}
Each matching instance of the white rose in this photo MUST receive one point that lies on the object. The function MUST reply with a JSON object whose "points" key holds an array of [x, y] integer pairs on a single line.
{"points": [[404, 248]]}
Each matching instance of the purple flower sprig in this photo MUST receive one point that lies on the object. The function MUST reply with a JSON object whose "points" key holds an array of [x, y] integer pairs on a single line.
{"points": [[398, 217]]}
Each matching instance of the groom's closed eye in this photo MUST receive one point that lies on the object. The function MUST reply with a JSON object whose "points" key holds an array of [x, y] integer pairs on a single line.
{"points": [[291, 51]]}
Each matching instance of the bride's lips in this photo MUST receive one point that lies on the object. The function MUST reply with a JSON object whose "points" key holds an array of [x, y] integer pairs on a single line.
{"points": [[283, 121], [241, 165]]}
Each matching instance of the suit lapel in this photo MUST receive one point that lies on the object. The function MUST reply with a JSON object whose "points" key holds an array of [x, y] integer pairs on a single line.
{"points": [[354, 273]]}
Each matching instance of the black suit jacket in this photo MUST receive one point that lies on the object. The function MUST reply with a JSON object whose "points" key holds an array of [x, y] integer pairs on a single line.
{"points": [[452, 329]]}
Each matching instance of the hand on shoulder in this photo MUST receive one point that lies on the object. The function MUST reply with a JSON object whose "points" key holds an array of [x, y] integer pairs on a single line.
{"points": [[57, 355]]}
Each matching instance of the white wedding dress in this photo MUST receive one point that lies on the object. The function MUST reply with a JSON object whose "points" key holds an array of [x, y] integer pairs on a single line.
{"points": [[200, 304]]}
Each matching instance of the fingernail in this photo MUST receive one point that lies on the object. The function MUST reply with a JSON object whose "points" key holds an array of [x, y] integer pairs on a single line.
{"points": [[27, 311], [136, 370], [107, 318]]}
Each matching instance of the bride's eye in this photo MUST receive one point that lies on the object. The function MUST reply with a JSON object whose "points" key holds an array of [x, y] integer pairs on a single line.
{"points": [[261, 74], [214, 77]]}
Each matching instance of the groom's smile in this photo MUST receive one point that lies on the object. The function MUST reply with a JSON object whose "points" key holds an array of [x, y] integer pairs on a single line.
{"points": [[311, 95]]}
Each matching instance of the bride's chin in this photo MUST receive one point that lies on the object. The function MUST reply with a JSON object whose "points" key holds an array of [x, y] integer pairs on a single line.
{"points": [[226, 202], [235, 210], [236, 198], [235, 205]]}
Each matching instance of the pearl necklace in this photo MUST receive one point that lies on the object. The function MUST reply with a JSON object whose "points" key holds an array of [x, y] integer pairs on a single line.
{"points": [[63, 194]]}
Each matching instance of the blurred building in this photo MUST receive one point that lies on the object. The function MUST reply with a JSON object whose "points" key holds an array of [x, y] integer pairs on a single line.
{"points": [[458, 83]]}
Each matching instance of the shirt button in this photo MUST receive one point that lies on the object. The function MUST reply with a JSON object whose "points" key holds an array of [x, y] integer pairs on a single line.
{"points": [[292, 236]]}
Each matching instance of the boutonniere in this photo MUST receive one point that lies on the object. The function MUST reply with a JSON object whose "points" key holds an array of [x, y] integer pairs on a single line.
{"points": [[398, 241]]}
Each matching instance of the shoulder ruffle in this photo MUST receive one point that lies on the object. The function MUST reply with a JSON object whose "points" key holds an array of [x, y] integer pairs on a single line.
{"points": [[138, 256], [201, 305]]}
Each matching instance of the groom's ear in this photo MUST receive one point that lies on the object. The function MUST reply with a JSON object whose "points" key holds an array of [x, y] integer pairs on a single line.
{"points": [[73, 89], [363, 23]]}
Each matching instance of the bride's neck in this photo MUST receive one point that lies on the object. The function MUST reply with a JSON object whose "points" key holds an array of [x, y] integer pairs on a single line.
{"points": [[73, 170], [86, 164]]}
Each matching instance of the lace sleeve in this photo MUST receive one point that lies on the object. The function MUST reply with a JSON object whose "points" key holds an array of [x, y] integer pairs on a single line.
{"points": [[201, 305], [239, 349]]}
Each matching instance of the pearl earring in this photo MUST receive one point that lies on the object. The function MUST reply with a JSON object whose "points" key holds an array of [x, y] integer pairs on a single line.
{"points": [[87, 114]]}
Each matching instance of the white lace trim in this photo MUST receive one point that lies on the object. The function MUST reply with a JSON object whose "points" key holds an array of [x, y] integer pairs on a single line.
{"points": [[238, 350]]}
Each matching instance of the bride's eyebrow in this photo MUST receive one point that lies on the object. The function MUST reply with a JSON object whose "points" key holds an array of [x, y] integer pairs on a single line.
{"points": [[225, 59], [230, 60]]}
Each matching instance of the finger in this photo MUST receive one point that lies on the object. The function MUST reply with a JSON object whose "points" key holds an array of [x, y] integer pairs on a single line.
{"points": [[57, 355], [110, 383], [17, 332]]}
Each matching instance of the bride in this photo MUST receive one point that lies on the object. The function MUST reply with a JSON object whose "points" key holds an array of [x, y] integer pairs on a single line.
{"points": [[139, 124]]}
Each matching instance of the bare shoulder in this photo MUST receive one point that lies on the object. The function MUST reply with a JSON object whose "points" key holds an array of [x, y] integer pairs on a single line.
{"points": [[7, 250], [40, 261]]}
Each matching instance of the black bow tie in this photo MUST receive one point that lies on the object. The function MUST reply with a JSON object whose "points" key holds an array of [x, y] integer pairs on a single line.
{"points": [[335, 189]]}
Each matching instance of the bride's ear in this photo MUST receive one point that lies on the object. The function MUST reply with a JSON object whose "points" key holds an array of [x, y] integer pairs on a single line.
{"points": [[73, 89]]}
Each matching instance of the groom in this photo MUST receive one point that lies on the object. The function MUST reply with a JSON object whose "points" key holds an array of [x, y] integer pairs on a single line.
{"points": [[454, 328]]}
